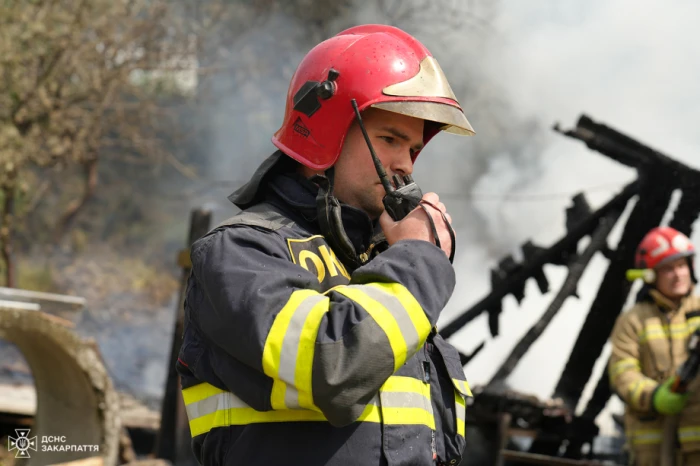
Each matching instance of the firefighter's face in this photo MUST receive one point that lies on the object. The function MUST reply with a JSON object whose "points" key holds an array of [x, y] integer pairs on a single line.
{"points": [[673, 279], [395, 138]]}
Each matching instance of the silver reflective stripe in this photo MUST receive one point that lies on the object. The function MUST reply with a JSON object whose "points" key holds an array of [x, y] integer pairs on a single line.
{"points": [[461, 412], [405, 400], [463, 389], [647, 437], [688, 434], [398, 312], [214, 403], [290, 349], [227, 400]]}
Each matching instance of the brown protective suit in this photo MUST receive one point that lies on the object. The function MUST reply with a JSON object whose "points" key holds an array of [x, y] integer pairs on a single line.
{"points": [[649, 343]]}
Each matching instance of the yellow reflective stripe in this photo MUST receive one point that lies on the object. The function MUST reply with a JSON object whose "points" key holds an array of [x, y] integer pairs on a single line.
{"points": [[412, 307], [645, 437], [245, 416], [624, 365], [384, 319], [398, 383], [689, 434], [199, 392], [275, 341], [677, 330], [636, 389], [462, 387], [461, 412], [404, 400], [305, 355]]}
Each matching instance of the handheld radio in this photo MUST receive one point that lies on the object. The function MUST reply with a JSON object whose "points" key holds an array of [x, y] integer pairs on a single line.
{"points": [[404, 195]]}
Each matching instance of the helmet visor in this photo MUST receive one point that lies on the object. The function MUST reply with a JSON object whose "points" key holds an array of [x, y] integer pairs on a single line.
{"points": [[451, 119]]}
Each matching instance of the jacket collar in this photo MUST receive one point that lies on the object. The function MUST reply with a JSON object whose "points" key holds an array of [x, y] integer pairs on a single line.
{"points": [[666, 304], [292, 191]]}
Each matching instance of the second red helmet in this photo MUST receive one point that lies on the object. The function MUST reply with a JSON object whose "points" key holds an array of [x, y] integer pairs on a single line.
{"points": [[378, 66], [662, 245]]}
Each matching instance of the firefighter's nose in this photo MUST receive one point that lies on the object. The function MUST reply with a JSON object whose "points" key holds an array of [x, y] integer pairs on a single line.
{"points": [[402, 165]]}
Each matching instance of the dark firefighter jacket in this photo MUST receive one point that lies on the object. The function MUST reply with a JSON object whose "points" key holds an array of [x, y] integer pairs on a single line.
{"points": [[290, 358]]}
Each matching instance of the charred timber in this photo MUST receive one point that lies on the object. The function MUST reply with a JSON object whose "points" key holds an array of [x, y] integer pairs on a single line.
{"points": [[576, 270], [526, 411], [533, 265], [626, 150]]}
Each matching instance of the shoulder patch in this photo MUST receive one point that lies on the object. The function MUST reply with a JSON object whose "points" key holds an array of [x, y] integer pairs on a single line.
{"points": [[314, 255]]}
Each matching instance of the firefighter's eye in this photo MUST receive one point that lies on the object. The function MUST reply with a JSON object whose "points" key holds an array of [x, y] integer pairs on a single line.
{"points": [[388, 139]]}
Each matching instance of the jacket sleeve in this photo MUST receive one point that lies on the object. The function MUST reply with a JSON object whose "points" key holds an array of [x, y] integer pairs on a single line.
{"points": [[327, 351], [624, 368]]}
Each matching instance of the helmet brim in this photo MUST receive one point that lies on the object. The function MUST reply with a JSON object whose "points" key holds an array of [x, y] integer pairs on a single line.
{"points": [[451, 118], [674, 257]]}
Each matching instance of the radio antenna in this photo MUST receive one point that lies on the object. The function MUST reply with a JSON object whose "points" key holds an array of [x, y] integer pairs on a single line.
{"points": [[377, 164]]}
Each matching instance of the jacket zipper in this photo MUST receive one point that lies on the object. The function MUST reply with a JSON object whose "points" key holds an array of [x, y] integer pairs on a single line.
{"points": [[364, 257]]}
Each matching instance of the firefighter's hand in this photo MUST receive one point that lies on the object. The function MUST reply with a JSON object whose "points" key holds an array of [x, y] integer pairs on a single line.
{"points": [[417, 226], [667, 402]]}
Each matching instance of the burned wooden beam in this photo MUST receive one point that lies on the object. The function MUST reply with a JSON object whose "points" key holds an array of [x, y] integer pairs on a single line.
{"points": [[532, 268], [620, 147], [173, 441], [688, 208], [465, 358], [613, 291], [576, 270], [595, 405], [600, 397]]}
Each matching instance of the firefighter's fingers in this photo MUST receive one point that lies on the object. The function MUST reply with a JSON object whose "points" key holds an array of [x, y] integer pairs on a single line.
{"points": [[441, 227], [431, 198], [422, 224], [433, 201]]}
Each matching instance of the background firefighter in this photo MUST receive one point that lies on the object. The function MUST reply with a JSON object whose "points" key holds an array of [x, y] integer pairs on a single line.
{"points": [[650, 343], [310, 338]]}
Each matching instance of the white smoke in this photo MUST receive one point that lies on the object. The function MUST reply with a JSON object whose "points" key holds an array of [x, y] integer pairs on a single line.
{"points": [[632, 65]]}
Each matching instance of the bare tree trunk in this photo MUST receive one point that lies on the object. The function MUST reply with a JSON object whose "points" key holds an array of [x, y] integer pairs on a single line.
{"points": [[8, 189], [74, 207]]}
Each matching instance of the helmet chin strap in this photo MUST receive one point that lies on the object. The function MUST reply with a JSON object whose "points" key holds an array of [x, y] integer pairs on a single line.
{"points": [[330, 220]]}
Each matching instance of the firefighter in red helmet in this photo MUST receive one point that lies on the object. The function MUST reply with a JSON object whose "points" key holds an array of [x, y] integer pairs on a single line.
{"points": [[650, 343], [310, 332]]}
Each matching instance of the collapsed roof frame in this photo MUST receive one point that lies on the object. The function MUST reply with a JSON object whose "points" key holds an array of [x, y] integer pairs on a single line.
{"points": [[658, 177]]}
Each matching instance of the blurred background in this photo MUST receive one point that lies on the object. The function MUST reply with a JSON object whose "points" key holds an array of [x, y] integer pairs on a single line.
{"points": [[119, 118]]}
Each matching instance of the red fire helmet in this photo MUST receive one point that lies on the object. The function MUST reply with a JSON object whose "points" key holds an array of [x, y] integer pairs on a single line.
{"points": [[662, 245], [379, 66]]}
